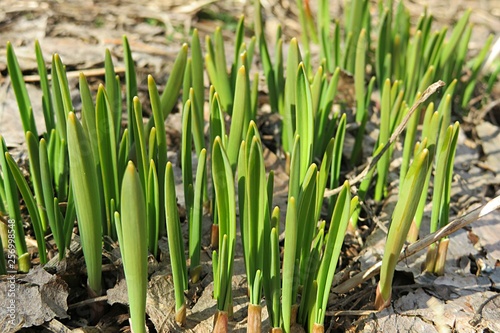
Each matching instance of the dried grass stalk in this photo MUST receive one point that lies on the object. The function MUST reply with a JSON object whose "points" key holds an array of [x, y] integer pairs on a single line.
{"points": [[254, 318], [221, 319]]}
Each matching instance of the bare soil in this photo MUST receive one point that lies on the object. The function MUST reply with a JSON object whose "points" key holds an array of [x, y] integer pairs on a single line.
{"points": [[54, 299]]}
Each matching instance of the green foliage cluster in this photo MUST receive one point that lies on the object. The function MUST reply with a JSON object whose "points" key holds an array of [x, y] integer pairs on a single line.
{"points": [[118, 183]]}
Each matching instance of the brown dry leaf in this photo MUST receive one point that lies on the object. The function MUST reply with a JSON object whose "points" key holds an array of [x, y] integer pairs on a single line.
{"points": [[420, 311], [160, 303], [461, 250], [473, 238], [490, 136], [118, 294], [39, 297], [11, 126]]}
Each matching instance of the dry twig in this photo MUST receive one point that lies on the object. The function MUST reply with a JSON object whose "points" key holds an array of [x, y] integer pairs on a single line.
{"points": [[447, 230], [425, 95]]}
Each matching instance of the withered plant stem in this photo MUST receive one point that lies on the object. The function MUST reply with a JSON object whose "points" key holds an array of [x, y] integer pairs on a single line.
{"points": [[214, 237], [254, 322], [430, 259], [180, 316], [96, 308], [220, 322], [318, 328], [380, 302], [441, 256], [293, 315], [412, 233]]}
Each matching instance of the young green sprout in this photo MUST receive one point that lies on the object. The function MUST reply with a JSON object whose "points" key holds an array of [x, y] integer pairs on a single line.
{"points": [[87, 200], [436, 255], [132, 235], [195, 224], [255, 220], [12, 199], [97, 154], [402, 218], [335, 238], [176, 246], [223, 259], [30, 202]]}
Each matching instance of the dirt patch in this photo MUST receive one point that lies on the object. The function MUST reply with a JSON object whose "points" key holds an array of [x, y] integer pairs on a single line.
{"points": [[80, 31]]}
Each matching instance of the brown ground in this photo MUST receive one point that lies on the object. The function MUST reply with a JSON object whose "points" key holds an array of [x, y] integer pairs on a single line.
{"points": [[80, 31]]}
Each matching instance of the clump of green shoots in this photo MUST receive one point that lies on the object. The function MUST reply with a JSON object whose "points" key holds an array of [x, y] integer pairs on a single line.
{"points": [[255, 221], [12, 199], [223, 258], [436, 255], [401, 221], [87, 199], [119, 184]]}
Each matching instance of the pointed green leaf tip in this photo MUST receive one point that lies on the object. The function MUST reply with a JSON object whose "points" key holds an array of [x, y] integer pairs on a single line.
{"points": [[134, 247], [20, 91]]}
